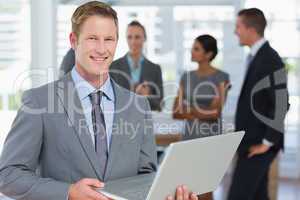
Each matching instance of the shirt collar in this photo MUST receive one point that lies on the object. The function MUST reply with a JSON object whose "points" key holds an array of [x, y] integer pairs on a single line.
{"points": [[84, 88], [256, 46], [131, 62]]}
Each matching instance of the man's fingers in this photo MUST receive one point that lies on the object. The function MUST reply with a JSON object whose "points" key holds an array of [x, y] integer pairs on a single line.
{"points": [[182, 193], [169, 197], [93, 182], [185, 192], [253, 153], [193, 196], [179, 193], [96, 195], [253, 148]]}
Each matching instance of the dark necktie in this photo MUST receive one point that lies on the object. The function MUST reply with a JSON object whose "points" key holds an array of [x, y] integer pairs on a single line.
{"points": [[99, 129]]}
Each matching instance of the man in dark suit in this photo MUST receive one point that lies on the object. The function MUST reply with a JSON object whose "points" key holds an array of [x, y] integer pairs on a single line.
{"points": [[135, 72], [261, 109]]}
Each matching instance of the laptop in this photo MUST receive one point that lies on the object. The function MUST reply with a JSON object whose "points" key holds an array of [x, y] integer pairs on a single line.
{"points": [[200, 164]]}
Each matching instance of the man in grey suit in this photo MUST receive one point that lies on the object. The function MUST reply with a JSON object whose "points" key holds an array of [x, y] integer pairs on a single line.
{"points": [[72, 135]]}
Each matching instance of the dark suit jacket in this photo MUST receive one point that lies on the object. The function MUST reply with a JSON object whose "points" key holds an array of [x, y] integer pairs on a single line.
{"points": [[266, 69], [120, 72]]}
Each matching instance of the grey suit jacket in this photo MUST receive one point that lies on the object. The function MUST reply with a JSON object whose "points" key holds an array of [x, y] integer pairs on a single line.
{"points": [[120, 72], [49, 146]]}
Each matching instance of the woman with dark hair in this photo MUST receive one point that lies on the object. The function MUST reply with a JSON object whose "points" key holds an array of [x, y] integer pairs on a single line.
{"points": [[202, 92]]}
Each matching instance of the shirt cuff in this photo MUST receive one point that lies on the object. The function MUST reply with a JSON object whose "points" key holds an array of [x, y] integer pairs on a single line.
{"points": [[267, 142], [69, 192]]}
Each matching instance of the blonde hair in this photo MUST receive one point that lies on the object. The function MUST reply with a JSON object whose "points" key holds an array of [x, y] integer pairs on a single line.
{"points": [[90, 9]]}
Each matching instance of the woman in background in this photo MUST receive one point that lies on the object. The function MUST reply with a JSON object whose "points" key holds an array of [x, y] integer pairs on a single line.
{"points": [[202, 92]]}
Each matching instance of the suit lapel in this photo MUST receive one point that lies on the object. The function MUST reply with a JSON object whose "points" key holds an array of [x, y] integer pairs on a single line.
{"points": [[247, 75], [71, 102], [252, 67], [125, 65], [121, 101]]}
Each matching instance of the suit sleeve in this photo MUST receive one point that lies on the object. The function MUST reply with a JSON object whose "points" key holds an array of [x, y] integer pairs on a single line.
{"points": [[278, 98], [20, 158], [148, 157], [157, 95]]}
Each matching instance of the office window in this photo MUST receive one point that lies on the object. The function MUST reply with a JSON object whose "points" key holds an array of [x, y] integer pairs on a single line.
{"points": [[148, 16], [197, 20], [1, 103], [14, 49], [64, 13], [14, 59]]}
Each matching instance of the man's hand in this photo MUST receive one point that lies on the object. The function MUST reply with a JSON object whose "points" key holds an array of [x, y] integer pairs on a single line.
{"points": [[84, 189], [182, 193], [143, 89], [258, 149]]}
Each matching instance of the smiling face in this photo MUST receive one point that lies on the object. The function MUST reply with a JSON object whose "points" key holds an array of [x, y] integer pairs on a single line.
{"points": [[135, 39], [94, 46]]}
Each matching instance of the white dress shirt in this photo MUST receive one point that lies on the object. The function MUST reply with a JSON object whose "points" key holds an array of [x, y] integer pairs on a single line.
{"points": [[107, 104]]}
